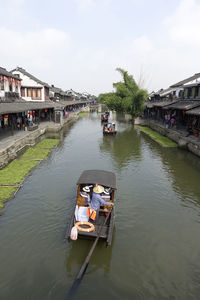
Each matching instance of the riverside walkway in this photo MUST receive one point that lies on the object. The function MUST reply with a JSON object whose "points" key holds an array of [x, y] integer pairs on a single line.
{"points": [[7, 138], [11, 143], [177, 134]]}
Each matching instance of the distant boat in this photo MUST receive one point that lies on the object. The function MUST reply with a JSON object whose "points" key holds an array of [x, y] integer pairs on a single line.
{"points": [[89, 178], [107, 112], [104, 117]]}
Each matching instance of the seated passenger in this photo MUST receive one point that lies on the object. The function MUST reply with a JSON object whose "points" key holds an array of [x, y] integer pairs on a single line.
{"points": [[107, 191], [86, 193], [106, 194], [110, 127]]}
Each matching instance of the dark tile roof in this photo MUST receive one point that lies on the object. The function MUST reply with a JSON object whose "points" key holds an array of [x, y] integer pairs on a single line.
{"points": [[23, 71], [165, 92], [195, 76], [22, 105], [195, 111], [191, 85], [161, 103], [57, 90], [183, 104], [66, 103], [4, 72]]}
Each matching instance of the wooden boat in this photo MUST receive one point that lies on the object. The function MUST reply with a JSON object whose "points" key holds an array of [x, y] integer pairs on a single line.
{"points": [[107, 112], [109, 128], [104, 118], [90, 178]]}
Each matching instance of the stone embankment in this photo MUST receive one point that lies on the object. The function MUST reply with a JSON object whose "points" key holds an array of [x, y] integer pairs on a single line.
{"points": [[12, 146], [189, 143]]}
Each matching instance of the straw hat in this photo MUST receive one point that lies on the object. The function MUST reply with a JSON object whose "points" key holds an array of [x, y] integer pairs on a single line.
{"points": [[86, 189], [98, 189]]}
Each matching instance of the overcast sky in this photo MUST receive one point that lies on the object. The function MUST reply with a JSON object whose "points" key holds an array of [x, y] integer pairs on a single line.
{"points": [[78, 44]]}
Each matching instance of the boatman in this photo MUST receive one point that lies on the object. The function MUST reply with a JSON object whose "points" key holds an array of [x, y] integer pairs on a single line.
{"points": [[96, 202]]}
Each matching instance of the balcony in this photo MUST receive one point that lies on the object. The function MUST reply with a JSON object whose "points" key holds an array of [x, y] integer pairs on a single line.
{"points": [[9, 96]]}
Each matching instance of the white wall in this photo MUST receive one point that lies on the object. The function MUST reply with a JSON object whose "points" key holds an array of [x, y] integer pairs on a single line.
{"points": [[28, 82]]}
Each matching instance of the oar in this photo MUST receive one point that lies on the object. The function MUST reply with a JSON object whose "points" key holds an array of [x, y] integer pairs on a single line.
{"points": [[81, 273]]}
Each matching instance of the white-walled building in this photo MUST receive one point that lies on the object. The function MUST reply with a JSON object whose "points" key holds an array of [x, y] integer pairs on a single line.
{"points": [[32, 89], [177, 88], [9, 85]]}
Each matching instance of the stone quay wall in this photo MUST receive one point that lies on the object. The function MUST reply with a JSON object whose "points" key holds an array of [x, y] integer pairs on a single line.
{"points": [[189, 143], [30, 138]]}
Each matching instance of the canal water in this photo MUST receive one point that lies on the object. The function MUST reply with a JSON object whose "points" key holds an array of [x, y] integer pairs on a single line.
{"points": [[155, 252]]}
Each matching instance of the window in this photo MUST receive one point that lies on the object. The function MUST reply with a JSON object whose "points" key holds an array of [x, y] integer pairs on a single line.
{"points": [[34, 93], [28, 92], [23, 92], [192, 93], [189, 93], [46, 92], [1, 83], [39, 94], [185, 93]]}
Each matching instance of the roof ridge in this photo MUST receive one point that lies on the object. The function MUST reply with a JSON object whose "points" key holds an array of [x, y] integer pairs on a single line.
{"points": [[20, 69]]}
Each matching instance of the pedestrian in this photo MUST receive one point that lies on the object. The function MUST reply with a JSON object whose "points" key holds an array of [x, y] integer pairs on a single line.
{"points": [[2, 122]]}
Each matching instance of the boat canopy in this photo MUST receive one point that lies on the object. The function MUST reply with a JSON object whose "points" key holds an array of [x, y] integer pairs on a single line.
{"points": [[101, 177]]}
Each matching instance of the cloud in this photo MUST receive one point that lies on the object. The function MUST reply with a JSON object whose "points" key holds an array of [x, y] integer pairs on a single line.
{"points": [[141, 45], [33, 49], [184, 24], [165, 56], [85, 5], [11, 11]]}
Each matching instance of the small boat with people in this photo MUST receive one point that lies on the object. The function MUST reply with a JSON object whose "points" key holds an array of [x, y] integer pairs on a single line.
{"points": [[107, 112], [104, 117], [93, 213], [109, 128]]}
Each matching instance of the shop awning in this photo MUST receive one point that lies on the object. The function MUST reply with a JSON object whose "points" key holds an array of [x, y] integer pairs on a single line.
{"points": [[160, 103], [183, 105], [21, 106], [195, 111], [164, 103], [150, 105]]}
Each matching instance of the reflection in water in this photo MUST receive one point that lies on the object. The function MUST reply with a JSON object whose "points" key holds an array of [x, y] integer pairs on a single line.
{"points": [[183, 169], [123, 147], [155, 253], [100, 259]]}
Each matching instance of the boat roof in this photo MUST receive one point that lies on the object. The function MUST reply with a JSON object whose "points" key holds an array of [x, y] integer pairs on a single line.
{"points": [[101, 177]]}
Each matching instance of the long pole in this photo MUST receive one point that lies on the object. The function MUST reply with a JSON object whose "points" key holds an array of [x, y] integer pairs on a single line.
{"points": [[81, 273]]}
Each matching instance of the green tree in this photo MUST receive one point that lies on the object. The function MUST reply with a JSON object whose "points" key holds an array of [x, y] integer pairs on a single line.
{"points": [[128, 97]]}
